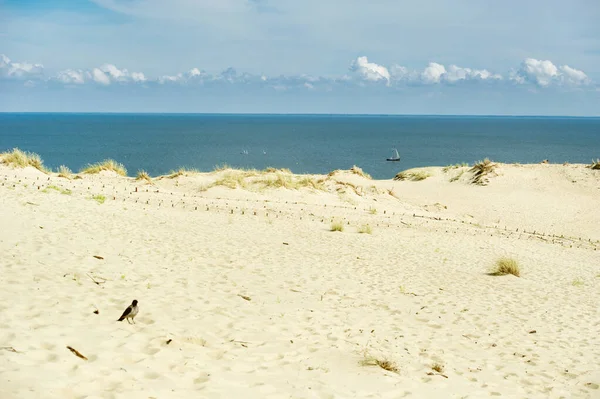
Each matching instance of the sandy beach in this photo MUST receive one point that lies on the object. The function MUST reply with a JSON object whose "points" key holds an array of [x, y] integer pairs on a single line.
{"points": [[247, 292]]}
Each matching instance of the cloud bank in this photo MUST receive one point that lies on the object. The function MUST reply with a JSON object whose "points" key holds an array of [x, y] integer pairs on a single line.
{"points": [[361, 72]]}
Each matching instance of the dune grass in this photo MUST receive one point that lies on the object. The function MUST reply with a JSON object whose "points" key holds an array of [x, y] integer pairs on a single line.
{"points": [[438, 367], [595, 164], [337, 226], [358, 171], [417, 175], [365, 229], [181, 172], [64, 191], [64, 171], [106, 165], [22, 159], [455, 166], [143, 175], [269, 178], [480, 170], [99, 198], [506, 266], [385, 364]]}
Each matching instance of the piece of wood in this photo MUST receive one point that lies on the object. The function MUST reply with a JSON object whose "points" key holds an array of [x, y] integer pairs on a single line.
{"points": [[77, 353]]}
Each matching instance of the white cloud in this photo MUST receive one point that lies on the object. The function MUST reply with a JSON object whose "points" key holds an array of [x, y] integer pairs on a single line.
{"points": [[544, 73], [433, 73], [369, 70], [574, 76], [22, 70], [540, 73]]}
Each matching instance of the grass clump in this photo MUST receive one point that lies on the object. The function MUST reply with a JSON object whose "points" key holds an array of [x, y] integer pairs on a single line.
{"points": [[181, 172], [143, 175], [358, 171], [506, 266], [480, 170], [455, 166], [365, 229], [21, 159], [412, 176], [99, 198], [106, 165], [337, 226], [373, 211], [595, 164], [64, 171], [577, 283], [438, 367], [385, 364], [64, 191]]}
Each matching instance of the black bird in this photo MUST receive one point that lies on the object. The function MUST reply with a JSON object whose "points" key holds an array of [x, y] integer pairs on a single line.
{"points": [[131, 311]]}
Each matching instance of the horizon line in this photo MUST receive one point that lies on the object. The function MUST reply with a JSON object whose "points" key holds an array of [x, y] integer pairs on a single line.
{"points": [[300, 114]]}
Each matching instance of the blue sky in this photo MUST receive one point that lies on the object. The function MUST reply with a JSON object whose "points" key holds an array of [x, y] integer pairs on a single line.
{"points": [[388, 56]]}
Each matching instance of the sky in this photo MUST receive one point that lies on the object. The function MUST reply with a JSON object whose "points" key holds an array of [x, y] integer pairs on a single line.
{"points": [[474, 57]]}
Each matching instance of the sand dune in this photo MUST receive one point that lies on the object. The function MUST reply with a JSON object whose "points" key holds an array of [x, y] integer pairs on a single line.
{"points": [[246, 292]]}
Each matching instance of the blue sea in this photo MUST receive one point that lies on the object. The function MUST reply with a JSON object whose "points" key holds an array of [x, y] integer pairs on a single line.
{"points": [[159, 143]]}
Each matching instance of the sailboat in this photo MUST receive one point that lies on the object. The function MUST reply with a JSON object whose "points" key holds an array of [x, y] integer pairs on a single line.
{"points": [[394, 158]]}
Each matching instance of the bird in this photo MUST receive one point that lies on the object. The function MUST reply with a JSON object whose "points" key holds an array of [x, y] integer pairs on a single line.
{"points": [[131, 311]]}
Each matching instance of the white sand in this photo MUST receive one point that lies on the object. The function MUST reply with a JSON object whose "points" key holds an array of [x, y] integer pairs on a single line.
{"points": [[416, 291]]}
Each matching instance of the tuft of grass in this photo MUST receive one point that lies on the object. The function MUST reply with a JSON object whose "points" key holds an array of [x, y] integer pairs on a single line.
{"points": [[64, 171], [21, 159], [385, 364], [358, 171], [413, 176], [365, 229], [106, 165], [64, 191], [577, 283], [373, 211], [143, 175], [506, 266], [99, 198], [181, 172], [480, 170], [458, 176], [595, 164], [438, 367], [455, 166], [337, 226]]}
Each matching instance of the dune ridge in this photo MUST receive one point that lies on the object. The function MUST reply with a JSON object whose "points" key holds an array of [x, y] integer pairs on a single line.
{"points": [[245, 291]]}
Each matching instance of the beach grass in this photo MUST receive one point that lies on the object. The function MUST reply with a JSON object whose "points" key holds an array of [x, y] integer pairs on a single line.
{"points": [[64, 171], [64, 191], [22, 159], [365, 229], [337, 226], [595, 164], [99, 198], [417, 175], [480, 171], [506, 266], [384, 363], [181, 172], [455, 166], [358, 171], [109, 165], [438, 367], [143, 175]]}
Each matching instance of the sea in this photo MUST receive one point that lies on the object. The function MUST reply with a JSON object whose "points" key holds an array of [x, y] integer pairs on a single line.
{"points": [[160, 143]]}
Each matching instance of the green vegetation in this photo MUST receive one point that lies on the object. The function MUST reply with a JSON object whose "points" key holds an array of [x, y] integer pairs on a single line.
{"points": [[106, 165], [21, 159]]}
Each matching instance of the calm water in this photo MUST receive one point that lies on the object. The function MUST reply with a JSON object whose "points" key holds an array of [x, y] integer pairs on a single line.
{"points": [[159, 143]]}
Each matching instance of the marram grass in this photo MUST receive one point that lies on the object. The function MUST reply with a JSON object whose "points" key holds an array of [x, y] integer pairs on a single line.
{"points": [[21, 159], [106, 165]]}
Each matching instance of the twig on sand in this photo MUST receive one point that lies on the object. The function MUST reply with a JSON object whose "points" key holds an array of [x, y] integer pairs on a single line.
{"points": [[77, 353], [443, 375], [9, 348], [96, 281], [98, 257], [245, 297]]}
